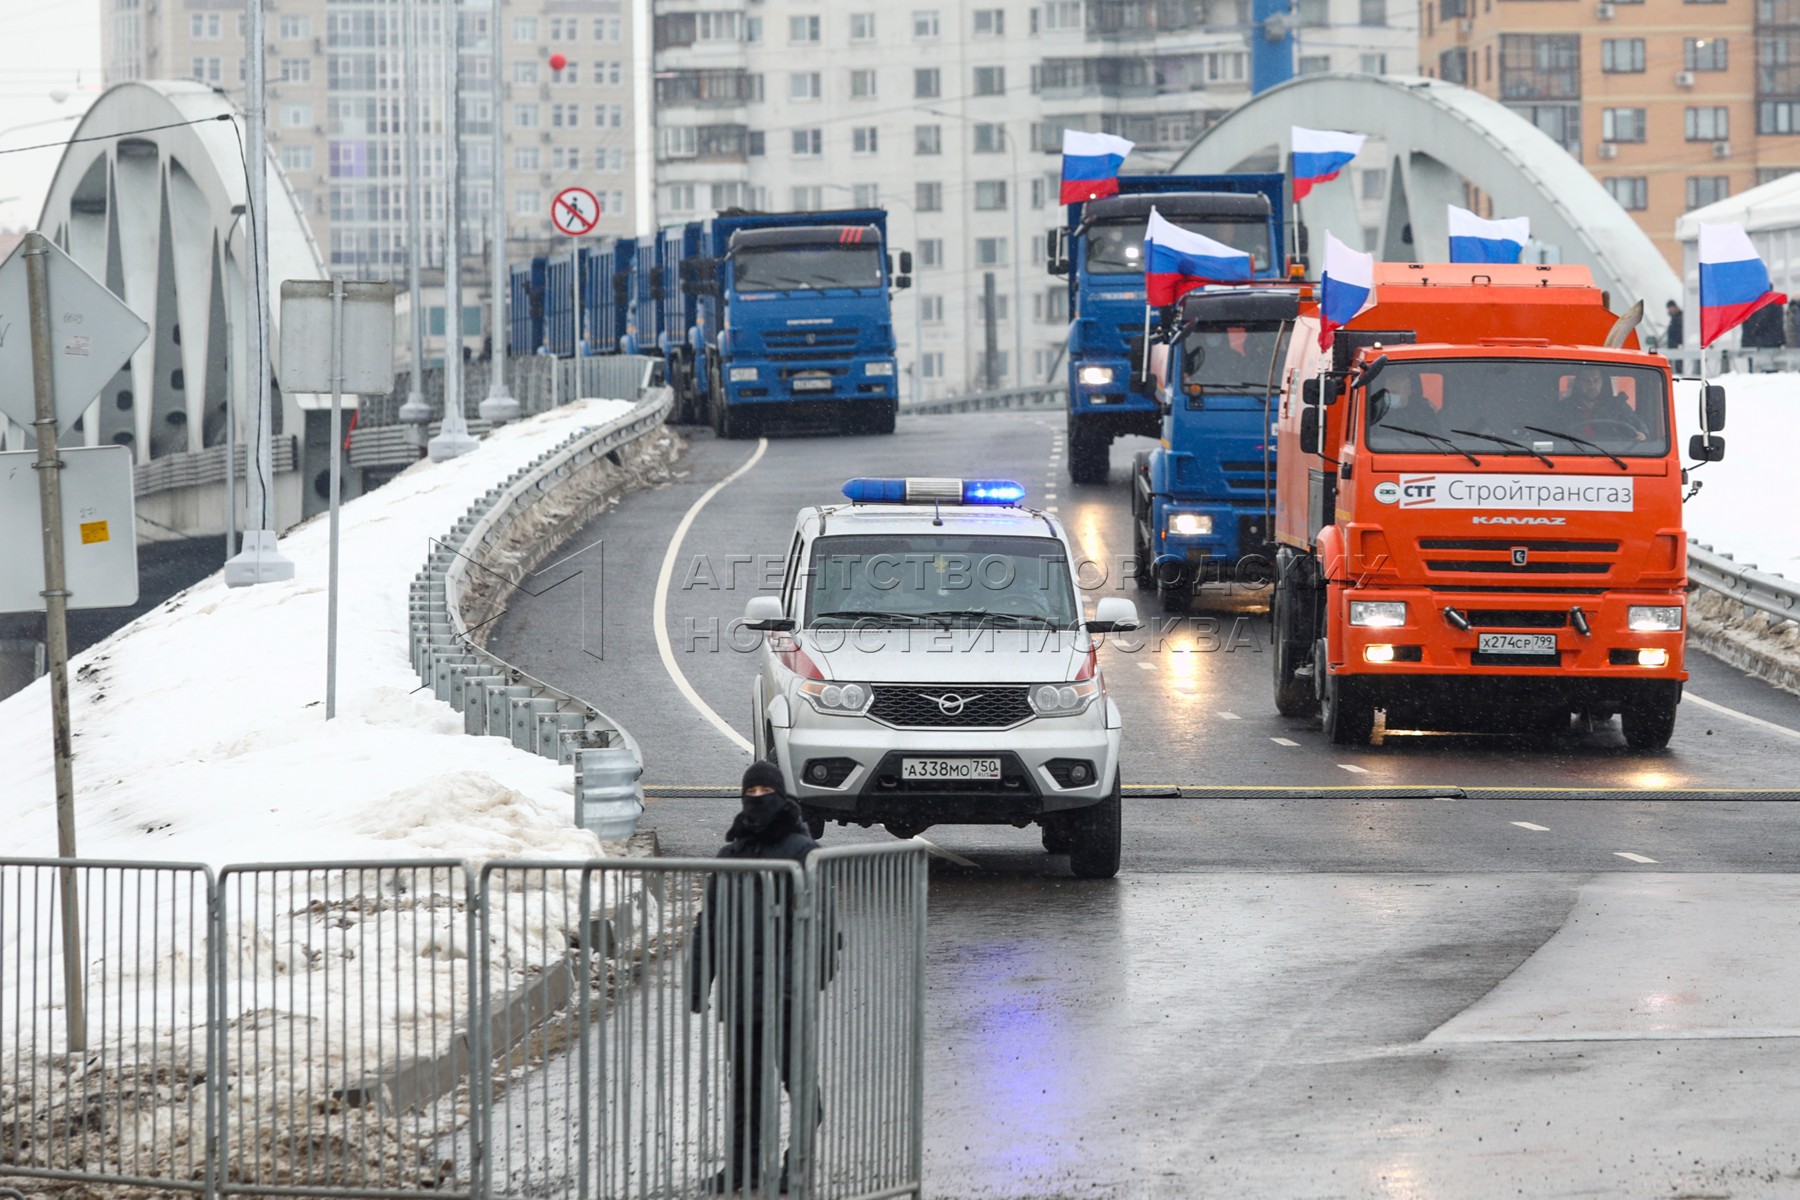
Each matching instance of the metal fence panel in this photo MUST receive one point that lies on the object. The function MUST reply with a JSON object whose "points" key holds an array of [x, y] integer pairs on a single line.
{"points": [[105, 1059]]}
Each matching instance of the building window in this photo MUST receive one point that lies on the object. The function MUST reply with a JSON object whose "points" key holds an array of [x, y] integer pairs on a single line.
{"points": [[866, 195], [681, 197], [928, 196], [989, 139], [525, 116], [808, 143], [1707, 189], [569, 76], [865, 139], [805, 85], [931, 253], [928, 139], [1562, 122], [1778, 116], [808, 199], [1374, 183], [206, 27], [1453, 65], [292, 70], [1540, 66], [927, 83], [1622, 56], [1062, 14], [679, 141], [990, 252], [990, 195], [294, 25], [931, 365], [931, 309], [296, 116], [990, 81], [990, 22], [611, 29], [1703, 54], [526, 202], [1374, 64], [803, 29], [1631, 191], [526, 158], [862, 27], [1711, 124], [297, 157], [925, 24], [1313, 64], [201, 68], [862, 85], [1372, 12], [1771, 174], [565, 116], [1052, 305], [525, 29], [609, 116], [525, 73], [1622, 125]]}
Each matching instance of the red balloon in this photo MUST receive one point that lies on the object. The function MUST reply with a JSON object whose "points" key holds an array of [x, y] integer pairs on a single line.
{"points": [[558, 61]]}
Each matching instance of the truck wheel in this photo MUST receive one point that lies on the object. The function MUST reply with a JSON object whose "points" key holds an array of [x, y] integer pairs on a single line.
{"points": [[1293, 695], [1054, 828], [1348, 714], [877, 417], [1088, 454], [734, 422], [1094, 838], [1649, 719]]}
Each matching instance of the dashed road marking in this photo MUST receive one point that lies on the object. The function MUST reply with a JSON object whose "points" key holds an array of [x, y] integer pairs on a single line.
{"points": [[1352, 767], [951, 855], [1146, 666], [1229, 716], [1284, 741], [1715, 706], [1049, 508], [1636, 858], [1533, 828]]}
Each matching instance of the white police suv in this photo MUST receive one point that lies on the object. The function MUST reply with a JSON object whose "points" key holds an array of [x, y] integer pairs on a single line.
{"points": [[928, 662]]}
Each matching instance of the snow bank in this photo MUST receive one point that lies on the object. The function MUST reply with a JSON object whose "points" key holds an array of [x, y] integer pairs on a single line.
{"points": [[1747, 507]]}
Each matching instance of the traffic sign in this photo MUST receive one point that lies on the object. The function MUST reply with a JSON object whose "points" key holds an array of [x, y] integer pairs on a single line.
{"points": [[99, 530], [575, 211], [92, 335]]}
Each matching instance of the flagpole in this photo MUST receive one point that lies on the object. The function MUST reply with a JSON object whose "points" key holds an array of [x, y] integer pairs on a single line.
{"points": [[1144, 369]]}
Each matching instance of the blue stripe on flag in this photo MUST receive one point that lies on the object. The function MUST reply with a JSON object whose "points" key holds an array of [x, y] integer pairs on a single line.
{"points": [[1728, 283]]}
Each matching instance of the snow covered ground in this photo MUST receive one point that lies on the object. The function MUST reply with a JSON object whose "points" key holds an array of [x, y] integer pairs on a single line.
{"points": [[1748, 506]]}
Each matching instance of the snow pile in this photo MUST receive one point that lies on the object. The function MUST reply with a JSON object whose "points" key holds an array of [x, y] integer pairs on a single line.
{"points": [[1747, 505]]}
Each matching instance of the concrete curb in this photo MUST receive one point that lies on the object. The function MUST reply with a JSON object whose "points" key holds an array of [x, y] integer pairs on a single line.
{"points": [[1765, 646]]}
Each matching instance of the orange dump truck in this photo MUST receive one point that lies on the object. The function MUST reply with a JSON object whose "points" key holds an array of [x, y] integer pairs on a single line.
{"points": [[1478, 511]]}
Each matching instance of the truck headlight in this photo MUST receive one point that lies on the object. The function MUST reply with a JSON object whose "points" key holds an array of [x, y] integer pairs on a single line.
{"points": [[1063, 699], [1096, 376], [838, 699], [1186, 524], [883, 366], [1380, 614], [743, 374], [1653, 618]]}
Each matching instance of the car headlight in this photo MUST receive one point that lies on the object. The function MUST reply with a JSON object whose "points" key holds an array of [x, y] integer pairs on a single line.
{"points": [[1063, 699], [1381, 614], [1186, 524], [1096, 376], [840, 699], [743, 374], [1653, 618], [880, 367]]}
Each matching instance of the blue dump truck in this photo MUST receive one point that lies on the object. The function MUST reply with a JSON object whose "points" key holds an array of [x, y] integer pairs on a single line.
{"points": [[1101, 250], [754, 314]]}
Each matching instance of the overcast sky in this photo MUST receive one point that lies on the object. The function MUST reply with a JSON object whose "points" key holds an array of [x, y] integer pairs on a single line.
{"points": [[45, 46]]}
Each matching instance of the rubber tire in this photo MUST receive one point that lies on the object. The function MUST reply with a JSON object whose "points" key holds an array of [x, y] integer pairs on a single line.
{"points": [[1096, 833], [1089, 455], [815, 822], [735, 423], [1293, 696], [877, 418], [1053, 828], [1649, 720], [1349, 717]]}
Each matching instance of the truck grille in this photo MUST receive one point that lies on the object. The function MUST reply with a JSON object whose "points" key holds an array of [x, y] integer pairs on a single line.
{"points": [[1516, 618], [800, 345], [1542, 556], [907, 707]]}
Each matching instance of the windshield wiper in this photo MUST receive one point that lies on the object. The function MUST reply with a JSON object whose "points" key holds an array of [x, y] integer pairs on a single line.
{"points": [[1505, 441], [1438, 438], [868, 614], [982, 614], [1579, 441]]}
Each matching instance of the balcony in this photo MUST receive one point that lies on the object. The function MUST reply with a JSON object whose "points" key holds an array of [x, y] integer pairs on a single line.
{"points": [[707, 89]]}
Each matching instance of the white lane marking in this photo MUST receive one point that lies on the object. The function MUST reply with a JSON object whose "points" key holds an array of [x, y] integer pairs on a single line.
{"points": [[1533, 828], [1771, 726], [1049, 508], [1636, 858], [959, 860], [661, 604], [1229, 716], [1284, 741], [1353, 768], [1049, 495], [1146, 666]]}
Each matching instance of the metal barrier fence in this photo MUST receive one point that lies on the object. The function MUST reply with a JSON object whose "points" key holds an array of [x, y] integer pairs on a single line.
{"points": [[1040, 395], [1766, 591], [615, 1028]]}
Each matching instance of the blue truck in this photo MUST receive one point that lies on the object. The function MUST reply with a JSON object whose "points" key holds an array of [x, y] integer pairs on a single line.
{"points": [[1100, 250]]}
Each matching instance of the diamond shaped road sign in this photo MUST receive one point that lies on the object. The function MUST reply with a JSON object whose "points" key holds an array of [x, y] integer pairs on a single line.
{"points": [[92, 335]]}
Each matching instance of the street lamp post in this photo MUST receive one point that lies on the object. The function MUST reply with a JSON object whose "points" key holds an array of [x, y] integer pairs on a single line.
{"points": [[415, 413], [453, 438], [499, 406]]}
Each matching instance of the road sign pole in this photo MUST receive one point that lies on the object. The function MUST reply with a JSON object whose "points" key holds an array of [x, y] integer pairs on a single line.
{"points": [[337, 400], [56, 625], [453, 440]]}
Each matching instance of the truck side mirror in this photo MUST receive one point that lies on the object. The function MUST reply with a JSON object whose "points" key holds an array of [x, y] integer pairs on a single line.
{"points": [[1309, 392], [906, 262], [621, 288], [1712, 408], [902, 282], [656, 285], [1055, 261], [1309, 430], [1703, 449], [1142, 381]]}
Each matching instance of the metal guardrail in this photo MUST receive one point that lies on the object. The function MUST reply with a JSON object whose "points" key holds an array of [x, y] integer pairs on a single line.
{"points": [[1765, 591], [1037, 396], [200, 467]]}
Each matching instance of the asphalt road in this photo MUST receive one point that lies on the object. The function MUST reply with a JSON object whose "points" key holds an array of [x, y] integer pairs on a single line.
{"points": [[1406, 986]]}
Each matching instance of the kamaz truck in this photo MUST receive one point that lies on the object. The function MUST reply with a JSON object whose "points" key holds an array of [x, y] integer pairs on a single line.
{"points": [[1101, 251], [1479, 510], [792, 319]]}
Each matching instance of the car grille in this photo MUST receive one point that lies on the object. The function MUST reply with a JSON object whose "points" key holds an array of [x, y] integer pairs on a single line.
{"points": [[906, 707]]}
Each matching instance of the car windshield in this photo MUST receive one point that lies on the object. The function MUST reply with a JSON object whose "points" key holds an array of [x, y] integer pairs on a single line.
{"points": [[1541, 408], [784, 268], [1117, 247], [948, 579], [1234, 359]]}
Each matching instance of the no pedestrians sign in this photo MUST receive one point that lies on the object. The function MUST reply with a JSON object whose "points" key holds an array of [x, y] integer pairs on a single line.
{"points": [[575, 211]]}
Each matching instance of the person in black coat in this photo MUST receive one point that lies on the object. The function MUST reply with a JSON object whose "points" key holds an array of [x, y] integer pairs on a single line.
{"points": [[1673, 336], [769, 825]]}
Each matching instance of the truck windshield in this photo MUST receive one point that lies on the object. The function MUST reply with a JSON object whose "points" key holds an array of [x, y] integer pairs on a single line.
{"points": [[1117, 247], [1541, 407], [1234, 359], [943, 579], [783, 268]]}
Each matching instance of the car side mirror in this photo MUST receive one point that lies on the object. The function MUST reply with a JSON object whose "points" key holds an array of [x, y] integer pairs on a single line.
{"points": [[1703, 449], [1712, 408], [1309, 431], [1114, 614], [764, 613]]}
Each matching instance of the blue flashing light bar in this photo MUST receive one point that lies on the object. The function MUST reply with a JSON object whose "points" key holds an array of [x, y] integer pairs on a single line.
{"points": [[933, 491]]}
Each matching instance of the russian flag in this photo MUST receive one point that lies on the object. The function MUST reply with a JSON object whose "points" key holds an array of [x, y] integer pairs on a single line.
{"points": [[1733, 281], [1346, 288], [1090, 165], [1177, 260], [1475, 240], [1319, 154]]}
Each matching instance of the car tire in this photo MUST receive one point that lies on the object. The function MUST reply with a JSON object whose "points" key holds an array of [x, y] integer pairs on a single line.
{"points": [[1096, 835], [876, 417], [1088, 455], [1649, 719], [1054, 828]]}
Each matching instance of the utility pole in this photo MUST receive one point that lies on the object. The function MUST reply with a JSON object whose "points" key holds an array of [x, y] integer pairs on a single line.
{"points": [[453, 438], [415, 412], [499, 406], [990, 359], [1014, 202]]}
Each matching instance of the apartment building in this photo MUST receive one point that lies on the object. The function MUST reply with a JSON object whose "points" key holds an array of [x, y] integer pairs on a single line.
{"points": [[336, 118], [1672, 104], [950, 113]]}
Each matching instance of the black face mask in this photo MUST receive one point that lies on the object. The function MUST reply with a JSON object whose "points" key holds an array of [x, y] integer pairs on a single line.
{"points": [[759, 811]]}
